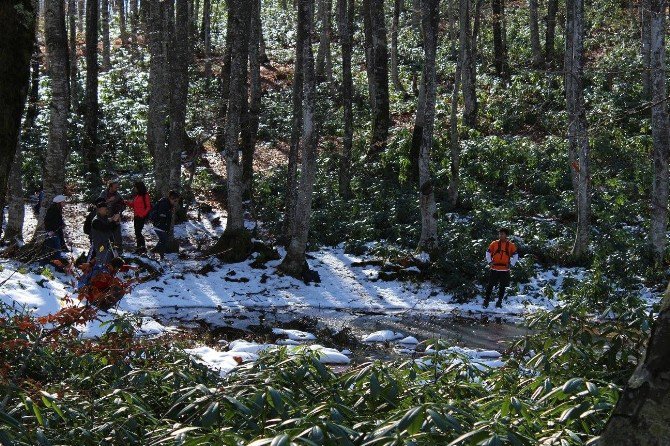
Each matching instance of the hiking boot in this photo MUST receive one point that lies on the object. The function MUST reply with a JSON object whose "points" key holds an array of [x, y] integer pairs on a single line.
{"points": [[499, 304]]}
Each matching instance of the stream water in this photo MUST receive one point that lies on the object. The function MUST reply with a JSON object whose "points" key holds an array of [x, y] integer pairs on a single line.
{"points": [[346, 328]]}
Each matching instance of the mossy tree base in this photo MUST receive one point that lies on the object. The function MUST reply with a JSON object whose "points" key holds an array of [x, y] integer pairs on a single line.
{"points": [[233, 246]]}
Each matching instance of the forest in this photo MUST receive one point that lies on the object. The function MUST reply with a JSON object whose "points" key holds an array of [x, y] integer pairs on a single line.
{"points": [[334, 222]]}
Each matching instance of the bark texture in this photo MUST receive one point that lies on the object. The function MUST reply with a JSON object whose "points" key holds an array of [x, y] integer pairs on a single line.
{"points": [[294, 263], [72, 20], [16, 47], [324, 61], [395, 25], [376, 52], [345, 15], [179, 98], [15, 208], [467, 56], [659, 127], [159, 96], [241, 18], [550, 35], [501, 61], [430, 21], [90, 143], [252, 119], [642, 414], [578, 140], [106, 50], [59, 72]]}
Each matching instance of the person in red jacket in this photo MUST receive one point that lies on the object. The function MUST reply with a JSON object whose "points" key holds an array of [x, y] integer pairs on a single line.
{"points": [[141, 205], [500, 256]]}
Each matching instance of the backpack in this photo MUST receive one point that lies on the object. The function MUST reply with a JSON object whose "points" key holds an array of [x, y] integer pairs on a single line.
{"points": [[88, 221]]}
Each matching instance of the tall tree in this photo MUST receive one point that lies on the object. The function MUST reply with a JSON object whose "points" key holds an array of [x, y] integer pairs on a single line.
{"points": [[18, 19], [72, 17], [16, 208], [252, 118], [81, 12], [241, 18], [90, 144], [296, 127], [133, 14], [468, 63], [324, 62], [106, 50], [536, 48], [641, 417], [645, 39], [122, 22], [59, 73], [454, 140], [578, 140], [549, 51], [178, 64], [395, 25], [500, 38], [376, 54], [345, 14], [159, 95], [294, 263], [430, 22], [659, 127], [206, 34]]}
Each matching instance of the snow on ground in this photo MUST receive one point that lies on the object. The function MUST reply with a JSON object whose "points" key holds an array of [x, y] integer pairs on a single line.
{"points": [[481, 359], [383, 336], [195, 286], [242, 351]]}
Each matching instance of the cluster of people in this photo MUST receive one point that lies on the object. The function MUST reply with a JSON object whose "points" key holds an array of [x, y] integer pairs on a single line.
{"points": [[103, 223]]}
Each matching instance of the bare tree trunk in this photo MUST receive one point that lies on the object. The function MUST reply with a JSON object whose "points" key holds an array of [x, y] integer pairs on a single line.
{"points": [[133, 13], [250, 127], [123, 30], [294, 262], [207, 35], [179, 69], [500, 38], [468, 65], [659, 127], [106, 56], [549, 51], [33, 95], [91, 101], [578, 140], [16, 47], [453, 13], [238, 74], [81, 11], [377, 60], [59, 72], [345, 15], [536, 48], [296, 128], [416, 15], [159, 96], [395, 24], [645, 38], [196, 15], [72, 18], [430, 22], [417, 133], [641, 417], [454, 142], [16, 208], [324, 63]]}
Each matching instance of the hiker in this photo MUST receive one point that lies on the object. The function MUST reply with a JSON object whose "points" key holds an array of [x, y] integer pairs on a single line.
{"points": [[116, 205], [500, 256], [141, 205], [102, 234], [161, 217], [53, 226], [99, 284]]}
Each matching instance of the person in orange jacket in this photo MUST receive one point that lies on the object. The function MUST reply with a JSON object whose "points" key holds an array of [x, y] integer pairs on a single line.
{"points": [[500, 256], [141, 206]]}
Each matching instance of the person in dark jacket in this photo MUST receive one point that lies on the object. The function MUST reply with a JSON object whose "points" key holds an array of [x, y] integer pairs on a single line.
{"points": [[161, 217], [116, 205], [102, 233], [54, 225], [141, 206]]}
